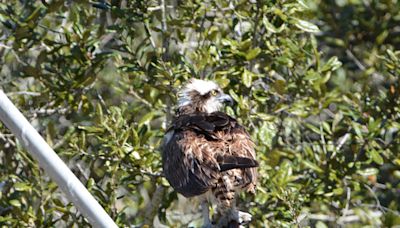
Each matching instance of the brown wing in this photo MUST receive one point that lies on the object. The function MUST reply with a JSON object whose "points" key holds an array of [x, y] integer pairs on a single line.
{"points": [[242, 145], [198, 147]]}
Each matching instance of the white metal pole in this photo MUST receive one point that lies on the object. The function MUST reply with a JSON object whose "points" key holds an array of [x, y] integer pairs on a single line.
{"points": [[52, 164]]}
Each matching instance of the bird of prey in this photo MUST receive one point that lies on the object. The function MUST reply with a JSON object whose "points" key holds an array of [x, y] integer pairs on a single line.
{"points": [[207, 153]]}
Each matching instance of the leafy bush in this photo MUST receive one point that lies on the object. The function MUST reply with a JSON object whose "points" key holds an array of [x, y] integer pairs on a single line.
{"points": [[317, 85]]}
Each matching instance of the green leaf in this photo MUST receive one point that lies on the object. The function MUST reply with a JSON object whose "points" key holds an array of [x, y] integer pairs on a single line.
{"points": [[234, 95], [392, 55], [321, 224], [223, 82], [338, 191], [311, 75], [375, 156], [265, 117], [15, 203], [35, 14], [135, 137], [313, 128], [135, 155], [146, 118], [332, 64], [312, 166], [326, 127], [368, 171], [253, 53], [21, 187], [247, 78], [91, 129], [306, 26], [271, 28], [280, 86], [90, 183], [357, 129]]}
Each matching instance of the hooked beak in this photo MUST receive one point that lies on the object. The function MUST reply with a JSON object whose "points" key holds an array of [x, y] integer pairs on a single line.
{"points": [[226, 99]]}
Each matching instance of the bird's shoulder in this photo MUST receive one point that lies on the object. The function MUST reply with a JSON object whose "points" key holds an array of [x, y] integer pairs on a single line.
{"points": [[205, 122]]}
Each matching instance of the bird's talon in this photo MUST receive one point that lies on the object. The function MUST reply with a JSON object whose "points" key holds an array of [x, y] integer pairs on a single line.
{"points": [[244, 217]]}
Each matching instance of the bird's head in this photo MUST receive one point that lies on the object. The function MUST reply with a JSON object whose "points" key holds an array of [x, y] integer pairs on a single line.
{"points": [[202, 96]]}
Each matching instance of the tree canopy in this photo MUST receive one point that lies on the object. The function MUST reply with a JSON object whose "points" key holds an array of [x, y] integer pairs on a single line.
{"points": [[317, 85]]}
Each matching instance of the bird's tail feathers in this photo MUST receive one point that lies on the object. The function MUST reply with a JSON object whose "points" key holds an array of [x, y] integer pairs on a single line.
{"points": [[235, 162]]}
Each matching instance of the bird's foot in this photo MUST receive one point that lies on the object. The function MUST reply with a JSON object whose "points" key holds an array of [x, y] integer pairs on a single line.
{"points": [[234, 218], [244, 217]]}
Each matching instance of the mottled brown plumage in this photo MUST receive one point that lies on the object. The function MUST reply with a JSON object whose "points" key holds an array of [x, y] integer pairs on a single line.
{"points": [[208, 152]]}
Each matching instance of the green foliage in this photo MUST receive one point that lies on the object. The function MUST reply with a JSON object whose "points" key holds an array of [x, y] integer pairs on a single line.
{"points": [[316, 83]]}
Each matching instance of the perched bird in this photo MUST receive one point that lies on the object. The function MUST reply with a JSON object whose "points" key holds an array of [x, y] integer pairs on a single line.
{"points": [[207, 153]]}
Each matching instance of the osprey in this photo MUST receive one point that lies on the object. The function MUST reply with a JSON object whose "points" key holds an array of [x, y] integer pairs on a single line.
{"points": [[208, 153]]}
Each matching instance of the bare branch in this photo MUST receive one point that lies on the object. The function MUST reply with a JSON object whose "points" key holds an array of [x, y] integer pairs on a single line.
{"points": [[28, 93], [356, 61], [44, 111], [141, 99], [346, 209], [378, 203]]}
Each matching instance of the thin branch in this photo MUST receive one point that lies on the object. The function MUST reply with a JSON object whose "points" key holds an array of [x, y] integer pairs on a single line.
{"points": [[43, 111], [136, 95], [152, 174], [102, 101], [14, 53], [346, 209], [51, 30], [322, 134], [386, 209], [147, 29], [28, 93], [5, 46], [157, 8], [321, 217], [378, 203], [59, 144], [7, 138], [164, 28], [82, 171], [164, 17], [356, 61], [360, 65]]}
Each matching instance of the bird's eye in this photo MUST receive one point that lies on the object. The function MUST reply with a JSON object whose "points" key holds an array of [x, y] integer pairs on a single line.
{"points": [[214, 92]]}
